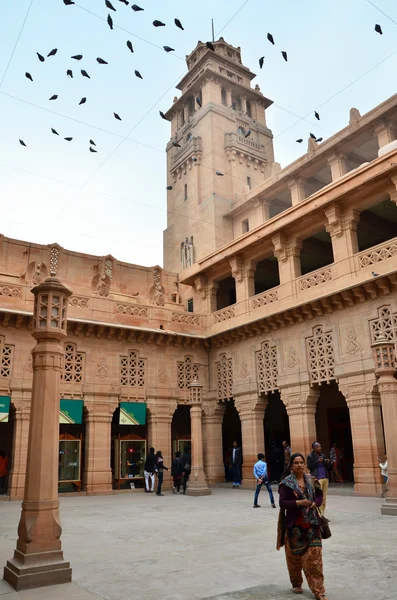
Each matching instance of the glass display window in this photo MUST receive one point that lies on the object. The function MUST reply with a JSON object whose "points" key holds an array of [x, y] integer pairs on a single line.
{"points": [[130, 456], [180, 445], [69, 461]]}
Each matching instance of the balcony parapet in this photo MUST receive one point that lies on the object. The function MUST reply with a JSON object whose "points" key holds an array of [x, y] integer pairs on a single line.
{"points": [[377, 253], [224, 315], [315, 278], [264, 299], [190, 149]]}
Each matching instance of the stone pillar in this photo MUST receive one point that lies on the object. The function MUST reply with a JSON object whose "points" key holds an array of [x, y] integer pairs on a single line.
{"points": [[296, 186], [213, 445], [97, 475], [301, 410], [384, 133], [198, 485], [287, 253], [244, 105], [20, 399], [342, 227], [367, 435], [244, 276], [212, 291], [251, 409], [159, 421], [229, 97], [385, 368], [38, 558], [337, 164]]}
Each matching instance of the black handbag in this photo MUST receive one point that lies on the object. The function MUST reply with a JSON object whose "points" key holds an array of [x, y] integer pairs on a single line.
{"points": [[324, 526]]}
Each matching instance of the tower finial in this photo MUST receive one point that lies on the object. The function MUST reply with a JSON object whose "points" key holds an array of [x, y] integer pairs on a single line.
{"points": [[213, 35]]}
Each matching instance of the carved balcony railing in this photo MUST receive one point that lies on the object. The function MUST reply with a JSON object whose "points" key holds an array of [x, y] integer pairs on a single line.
{"points": [[13, 291], [191, 148], [315, 278], [377, 253], [224, 314], [186, 319], [79, 301], [132, 309], [264, 299]]}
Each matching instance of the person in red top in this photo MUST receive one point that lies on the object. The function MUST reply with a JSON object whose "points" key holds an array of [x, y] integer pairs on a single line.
{"points": [[3, 472], [299, 528]]}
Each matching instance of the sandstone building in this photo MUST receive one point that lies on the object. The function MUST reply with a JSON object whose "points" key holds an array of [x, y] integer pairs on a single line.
{"points": [[276, 284]]}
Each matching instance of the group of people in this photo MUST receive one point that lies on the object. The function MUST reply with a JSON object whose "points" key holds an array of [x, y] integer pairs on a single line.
{"points": [[180, 471], [3, 472]]}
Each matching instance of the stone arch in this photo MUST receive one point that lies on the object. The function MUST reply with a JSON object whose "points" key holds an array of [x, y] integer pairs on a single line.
{"points": [[231, 431]]}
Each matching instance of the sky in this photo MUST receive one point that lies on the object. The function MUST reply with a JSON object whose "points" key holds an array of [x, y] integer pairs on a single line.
{"points": [[114, 201]]}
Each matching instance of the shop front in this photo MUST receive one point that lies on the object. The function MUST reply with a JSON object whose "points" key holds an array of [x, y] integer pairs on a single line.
{"points": [[129, 445], [71, 445], [6, 437]]}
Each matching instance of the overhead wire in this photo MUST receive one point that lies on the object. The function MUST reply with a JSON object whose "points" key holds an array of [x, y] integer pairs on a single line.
{"points": [[382, 11], [16, 43]]}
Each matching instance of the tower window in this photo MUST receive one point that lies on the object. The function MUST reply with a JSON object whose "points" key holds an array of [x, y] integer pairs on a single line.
{"points": [[249, 182], [246, 226], [185, 192], [190, 106], [224, 99], [249, 108], [190, 306]]}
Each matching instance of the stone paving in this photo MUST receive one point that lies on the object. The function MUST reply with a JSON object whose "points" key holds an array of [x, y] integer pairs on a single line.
{"points": [[177, 547]]}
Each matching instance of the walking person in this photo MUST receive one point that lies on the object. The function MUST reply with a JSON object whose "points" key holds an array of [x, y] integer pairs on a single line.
{"points": [[299, 528], [335, 458], [3, 472], [318, 466], [384, 471], [160, 468], [149, 471], [236, 465], [262, 478], [287, 458], [177, 472], [187, 467]]}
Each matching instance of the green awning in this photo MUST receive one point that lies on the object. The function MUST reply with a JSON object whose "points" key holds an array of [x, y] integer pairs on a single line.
{"points": [[71, 412], [132, 413], [4, 408]]}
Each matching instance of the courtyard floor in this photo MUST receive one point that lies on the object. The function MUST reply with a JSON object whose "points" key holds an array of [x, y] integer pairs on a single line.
{"points": [[128, 546]]}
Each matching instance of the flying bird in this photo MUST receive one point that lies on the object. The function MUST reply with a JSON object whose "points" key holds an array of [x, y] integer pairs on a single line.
{"points": [[53, 52], [125, 2], [317, 115], [92, 143], [68, 2], [299, 141], [110, 5], [157, 23], [83, 101], [320, 139], [219, 173], [248, 133], [40, 57], [22, 143], [28, 76], [198, 100], [313, 136], [54, 97], [68, 139], [261, 61], [285, 55], [69, 73], [378, 29], [211, 46], [270, 38], [110, 22], [54, 131], [169, 187], [176, 145], [77, 56], [178, 24], [130, 46], [101, 61], [85, 74], [116, 116], [136, 8], [162, 115], [137, 73], [168, 49], [92, 150]]}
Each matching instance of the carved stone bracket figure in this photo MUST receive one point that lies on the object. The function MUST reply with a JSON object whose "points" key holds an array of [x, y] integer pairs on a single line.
{"points": [[157, 292], [187, 253], [101, 285]]}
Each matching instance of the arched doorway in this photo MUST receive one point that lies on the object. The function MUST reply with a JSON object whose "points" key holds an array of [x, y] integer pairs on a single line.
{"points": [[128, 453], [231, 431], [180, 430], [333, 426], [276, 429]]}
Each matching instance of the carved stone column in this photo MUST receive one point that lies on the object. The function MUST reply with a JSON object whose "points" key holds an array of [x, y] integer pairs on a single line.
{"points": [[301, 410], [243, 104], [20, 399], [213, 447], [342, 227], [385, 368], [287, 253], [229, 97], [38, 559], [198, 485], [244, 276], [296, 186], [97, 475], [384, 133], [159, 421], [251, 409], [367, 435], [337, 164]]}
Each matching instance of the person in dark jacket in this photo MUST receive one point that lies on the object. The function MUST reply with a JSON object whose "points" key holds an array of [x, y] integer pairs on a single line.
{"points": [[319, 466], [160, 468], [149, 471], [236, 465], [187, 467], [177, 472], [299, 528]]}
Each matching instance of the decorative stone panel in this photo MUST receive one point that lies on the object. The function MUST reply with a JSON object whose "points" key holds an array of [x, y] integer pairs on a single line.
{"points": [[186, 319], [264, 299], [385, 325], [54, 260], [79, 301], [73, 368], [187, 372], [132, 370], [6, 356], [315, 279], [224, 314], [132, 309], [10, 290], [267, 368], [320, 353], [224, 373], [377, 254]]}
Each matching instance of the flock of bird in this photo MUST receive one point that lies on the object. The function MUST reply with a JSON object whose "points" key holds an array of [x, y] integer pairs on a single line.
{"points": [[156, 23]]}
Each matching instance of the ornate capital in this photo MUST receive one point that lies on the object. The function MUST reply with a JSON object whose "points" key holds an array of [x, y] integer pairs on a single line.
{"points": [[333, 213], [237, 266], [200, 286]]}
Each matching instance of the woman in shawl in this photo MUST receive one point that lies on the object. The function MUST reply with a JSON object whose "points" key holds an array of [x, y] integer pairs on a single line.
{"points": [[299, 528]]}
